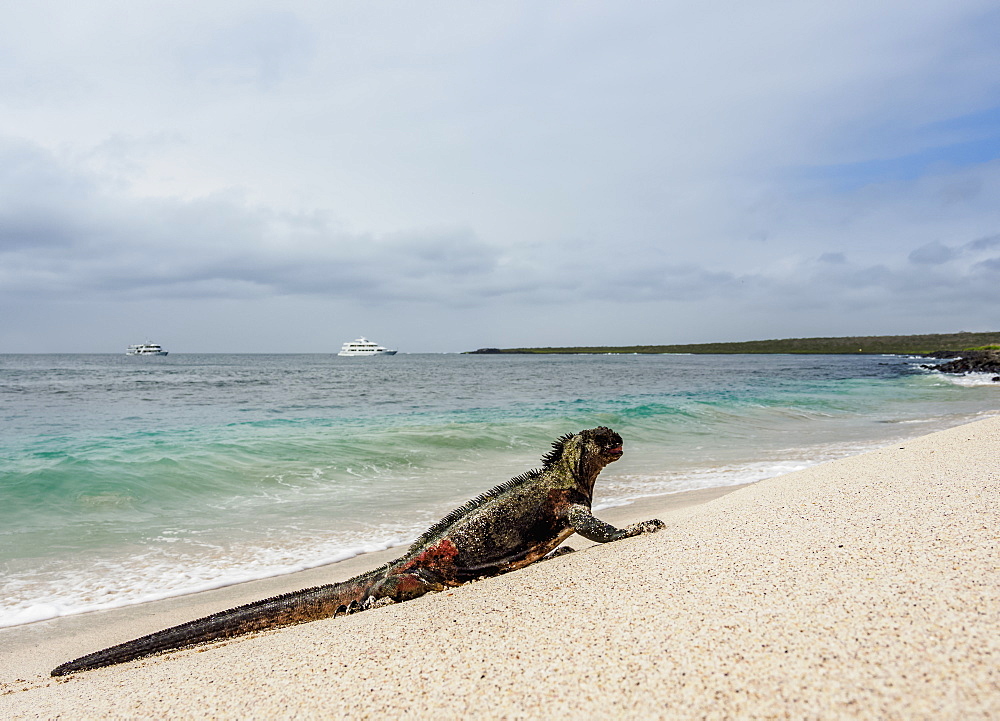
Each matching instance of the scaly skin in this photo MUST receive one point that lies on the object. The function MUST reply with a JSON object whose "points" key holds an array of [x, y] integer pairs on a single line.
{"points": [[506, 528]]}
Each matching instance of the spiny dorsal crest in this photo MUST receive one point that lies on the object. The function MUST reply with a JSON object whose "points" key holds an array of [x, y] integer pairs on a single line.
{"points": [[470, 507], [482, 499], [556, 453]]}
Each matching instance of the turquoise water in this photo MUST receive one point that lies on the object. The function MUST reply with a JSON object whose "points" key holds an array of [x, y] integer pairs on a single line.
{"points": [[128, 479]]}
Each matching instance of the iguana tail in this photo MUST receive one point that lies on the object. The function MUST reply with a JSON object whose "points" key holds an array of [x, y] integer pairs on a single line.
{"points": [[291, 608]]}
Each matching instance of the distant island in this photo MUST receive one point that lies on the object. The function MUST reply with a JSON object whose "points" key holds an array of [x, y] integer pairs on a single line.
{"points": [[870, 345]]}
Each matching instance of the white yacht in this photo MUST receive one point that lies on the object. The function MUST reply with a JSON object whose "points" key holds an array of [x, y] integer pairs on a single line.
{"points": [[364, 347], [145, 349]]}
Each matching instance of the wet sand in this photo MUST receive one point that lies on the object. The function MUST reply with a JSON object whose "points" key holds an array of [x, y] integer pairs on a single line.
{"points": [[864, 587]]}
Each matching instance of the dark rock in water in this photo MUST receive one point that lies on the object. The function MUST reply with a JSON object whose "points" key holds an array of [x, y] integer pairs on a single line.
{"points": [[967, 361], [485, 350], [995, 379]]}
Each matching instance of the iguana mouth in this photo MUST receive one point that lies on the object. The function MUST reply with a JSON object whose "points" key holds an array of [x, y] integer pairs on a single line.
{"points": [[616, 451]]}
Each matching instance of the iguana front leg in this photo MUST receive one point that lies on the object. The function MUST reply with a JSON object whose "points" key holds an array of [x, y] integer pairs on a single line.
{"points": [[590, 527]]}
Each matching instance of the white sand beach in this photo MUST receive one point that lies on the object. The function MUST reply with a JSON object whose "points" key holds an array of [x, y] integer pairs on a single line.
{"points": [[867, 587]]}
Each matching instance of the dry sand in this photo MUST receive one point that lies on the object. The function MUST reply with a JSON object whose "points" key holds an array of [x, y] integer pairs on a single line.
{"points": [[867, 587]]}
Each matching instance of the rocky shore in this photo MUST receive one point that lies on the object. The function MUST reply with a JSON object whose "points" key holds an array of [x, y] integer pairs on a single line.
{"points": [[967, 361]]}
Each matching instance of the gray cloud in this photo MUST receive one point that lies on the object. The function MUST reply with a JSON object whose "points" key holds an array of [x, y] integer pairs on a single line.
{"points": [[987, 243], [937, 253], [991, 268], [750, 172], [61, 232], [933, 254]]}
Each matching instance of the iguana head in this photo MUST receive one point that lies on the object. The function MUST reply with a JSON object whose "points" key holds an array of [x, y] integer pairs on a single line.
{"points": [[602, 443], [581, 456], [600, 446]]}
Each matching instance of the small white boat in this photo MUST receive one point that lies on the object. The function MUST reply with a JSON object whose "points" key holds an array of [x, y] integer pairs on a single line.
{"points": [[145, 349], [364, 347]]}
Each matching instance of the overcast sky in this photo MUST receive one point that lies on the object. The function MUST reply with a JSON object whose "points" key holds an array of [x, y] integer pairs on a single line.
{"points": [[257, 176]]}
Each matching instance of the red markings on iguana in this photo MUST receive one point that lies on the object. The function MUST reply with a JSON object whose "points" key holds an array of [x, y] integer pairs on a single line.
{"points": [[508, 527], [441, 555]]}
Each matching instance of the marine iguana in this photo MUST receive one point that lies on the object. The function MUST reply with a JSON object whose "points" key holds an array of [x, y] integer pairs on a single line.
{"points": [[506, 528]]}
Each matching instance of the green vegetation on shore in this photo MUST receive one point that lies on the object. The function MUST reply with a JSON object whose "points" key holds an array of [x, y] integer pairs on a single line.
{"points": [[875, 344]]}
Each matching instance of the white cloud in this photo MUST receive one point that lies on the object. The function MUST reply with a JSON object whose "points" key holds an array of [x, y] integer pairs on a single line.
{"points": [[642, 160]]}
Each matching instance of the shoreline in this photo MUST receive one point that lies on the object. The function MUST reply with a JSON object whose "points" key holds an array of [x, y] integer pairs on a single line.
{"points": [[363, 561], [866, 586], [624, 511], [35, 648], [188, 546]]}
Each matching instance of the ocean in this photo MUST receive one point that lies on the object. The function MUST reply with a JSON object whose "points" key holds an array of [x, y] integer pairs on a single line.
{"points": [[127, 479]]}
